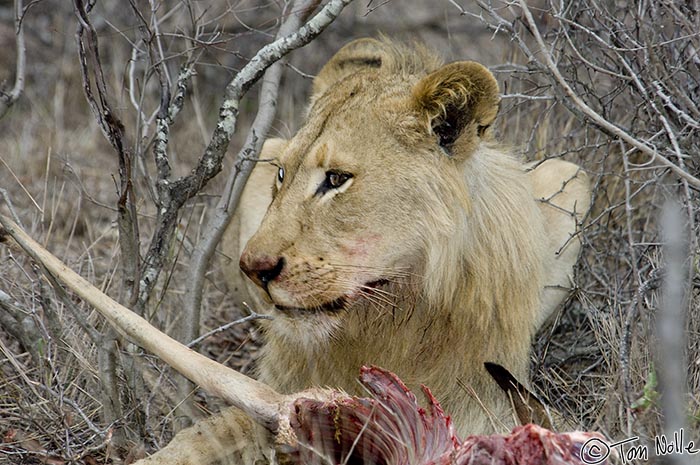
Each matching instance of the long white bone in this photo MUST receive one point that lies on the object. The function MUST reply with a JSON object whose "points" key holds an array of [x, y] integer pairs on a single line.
{"points": [[263, 404]]}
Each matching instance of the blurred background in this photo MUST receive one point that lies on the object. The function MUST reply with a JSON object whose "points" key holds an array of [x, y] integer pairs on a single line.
{"points": [[72, 392]]}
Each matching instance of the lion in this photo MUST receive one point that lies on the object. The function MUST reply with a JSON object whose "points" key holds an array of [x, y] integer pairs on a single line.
{"points": [[394, 230]]}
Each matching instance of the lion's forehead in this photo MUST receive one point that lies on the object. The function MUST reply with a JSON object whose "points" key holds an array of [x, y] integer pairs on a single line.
{"points": [[344, 140]]}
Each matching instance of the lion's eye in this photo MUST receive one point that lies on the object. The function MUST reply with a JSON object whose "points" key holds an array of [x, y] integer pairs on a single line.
{"points": [[280, 175], [334, 180]]}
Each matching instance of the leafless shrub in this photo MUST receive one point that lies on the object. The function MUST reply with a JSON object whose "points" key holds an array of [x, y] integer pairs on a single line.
{"points": [[615, 87]]}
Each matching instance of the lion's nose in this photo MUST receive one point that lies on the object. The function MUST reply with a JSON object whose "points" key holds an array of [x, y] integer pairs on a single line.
{"points": [[261, 269]]}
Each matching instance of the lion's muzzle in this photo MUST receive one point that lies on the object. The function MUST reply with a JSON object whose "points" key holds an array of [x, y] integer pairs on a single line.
{"points": [[261, 269]]}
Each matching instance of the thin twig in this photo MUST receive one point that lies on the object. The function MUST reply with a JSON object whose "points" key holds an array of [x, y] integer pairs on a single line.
{"points": [[22, 186], [222, 328], [6, 197], [592, 114]]}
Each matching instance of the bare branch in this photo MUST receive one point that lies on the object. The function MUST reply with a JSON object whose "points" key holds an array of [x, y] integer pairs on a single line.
{"points": [[8, 202], [243, 165], [592, 114], [210, 164], [253, 316], [152, 41], [669, 103], [113, 129], [8, 99]]}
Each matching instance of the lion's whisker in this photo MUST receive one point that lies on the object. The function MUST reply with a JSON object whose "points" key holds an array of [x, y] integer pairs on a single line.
{"points": [[364, 288], [387, 299], [399, 272], [375, 290]]}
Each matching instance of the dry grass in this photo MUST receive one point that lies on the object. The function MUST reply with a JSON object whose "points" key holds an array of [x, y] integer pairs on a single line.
{"points": [[594, 362]]}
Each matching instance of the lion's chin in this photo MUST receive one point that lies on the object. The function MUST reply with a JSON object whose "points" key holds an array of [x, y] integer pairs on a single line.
{"points": [[335, 305]]}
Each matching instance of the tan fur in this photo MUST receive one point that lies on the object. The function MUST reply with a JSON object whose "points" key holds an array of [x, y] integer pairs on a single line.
{"points": [[464, 248], [563, 194], [459, 234]]}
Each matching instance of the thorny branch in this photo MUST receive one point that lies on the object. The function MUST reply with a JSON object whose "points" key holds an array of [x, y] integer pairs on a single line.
{"points": [[544, 60]]}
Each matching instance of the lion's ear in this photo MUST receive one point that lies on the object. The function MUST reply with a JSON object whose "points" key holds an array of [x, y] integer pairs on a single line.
{"points": [[458, 102], [358, 55]]}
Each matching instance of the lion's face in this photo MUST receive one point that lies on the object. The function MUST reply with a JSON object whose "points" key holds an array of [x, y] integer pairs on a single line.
{"points": [[340, 207], [357, 188]]}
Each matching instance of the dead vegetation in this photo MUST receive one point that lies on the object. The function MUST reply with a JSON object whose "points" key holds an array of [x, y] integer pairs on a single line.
{"points": [[616, 90]]}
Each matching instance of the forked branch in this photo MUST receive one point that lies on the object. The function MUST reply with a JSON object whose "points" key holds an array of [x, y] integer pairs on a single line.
{"points": [[242, 167], [592, 115], [210, 163]]}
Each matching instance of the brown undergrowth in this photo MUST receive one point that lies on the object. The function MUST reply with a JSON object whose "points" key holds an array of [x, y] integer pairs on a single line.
{"points": [[597, 361]]}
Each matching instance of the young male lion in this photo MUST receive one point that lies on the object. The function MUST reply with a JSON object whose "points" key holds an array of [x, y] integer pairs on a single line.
{"points": [[392, 230]]}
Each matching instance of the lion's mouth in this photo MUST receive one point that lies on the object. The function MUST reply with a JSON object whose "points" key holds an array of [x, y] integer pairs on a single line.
{"points": [[335, 305], [328, 307]]}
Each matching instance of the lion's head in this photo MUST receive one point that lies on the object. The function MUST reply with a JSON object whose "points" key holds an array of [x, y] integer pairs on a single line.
{"points": [[398, 233], [370, 196]]}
